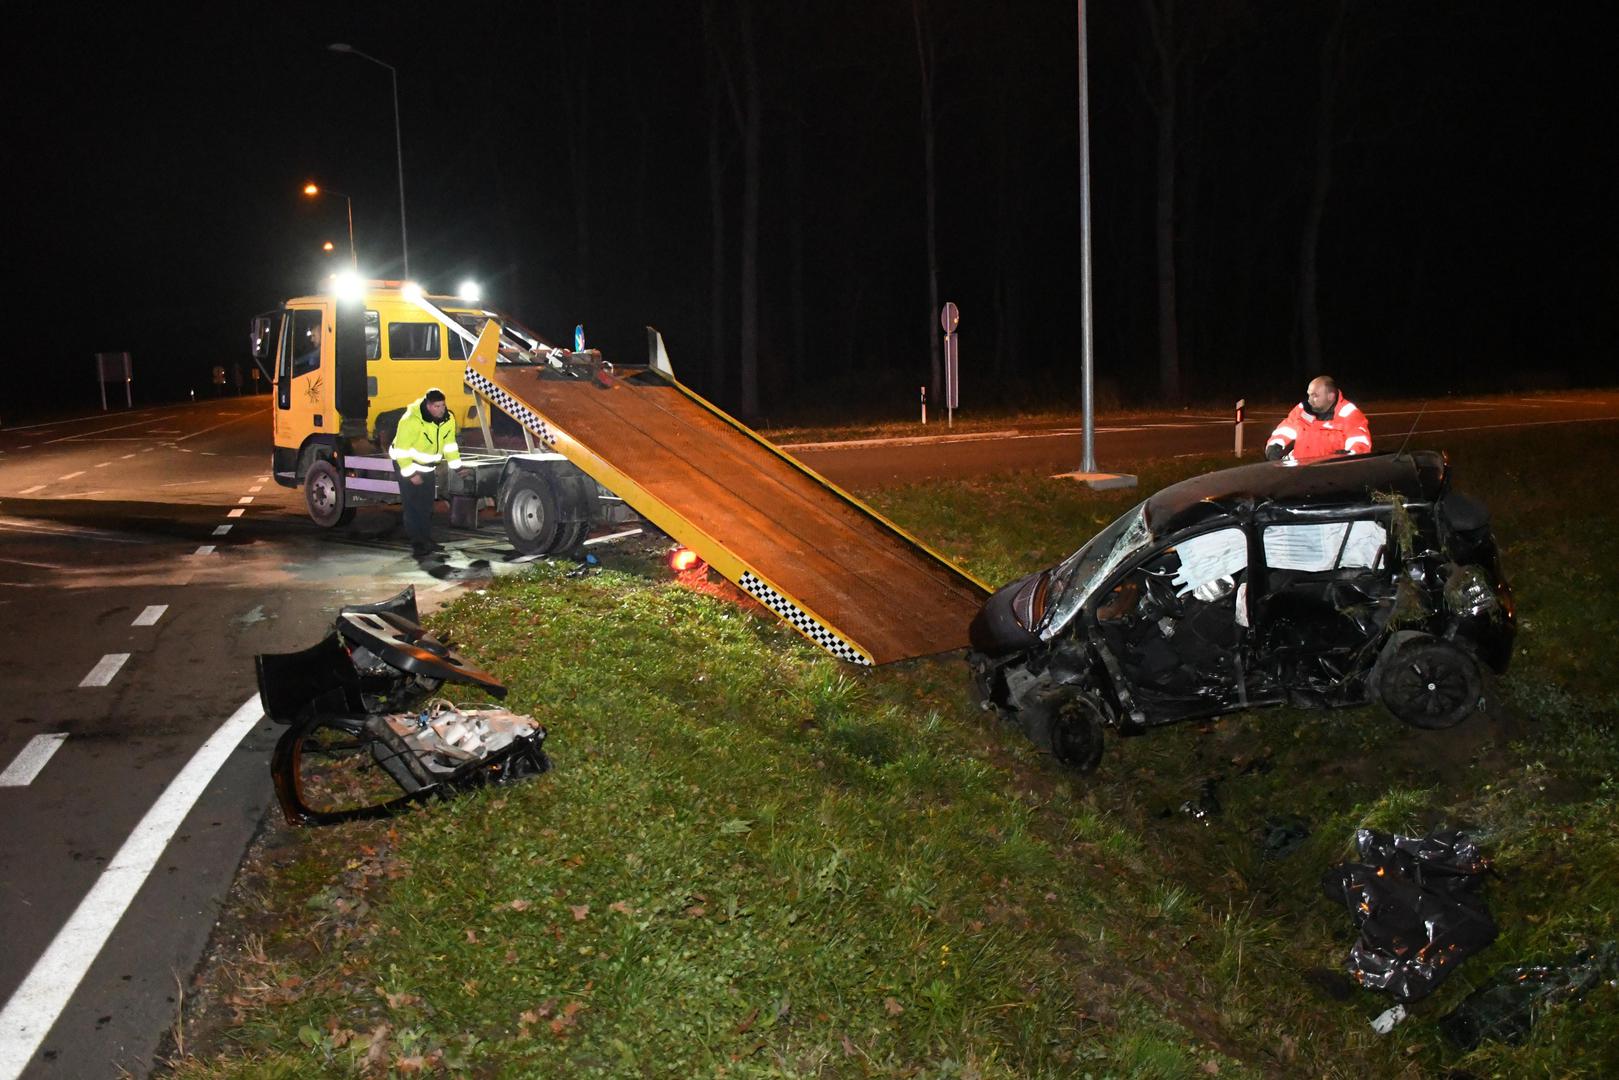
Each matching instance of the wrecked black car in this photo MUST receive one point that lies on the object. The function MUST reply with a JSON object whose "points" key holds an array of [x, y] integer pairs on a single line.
{"points": [[1343, 581], [369, 731]]}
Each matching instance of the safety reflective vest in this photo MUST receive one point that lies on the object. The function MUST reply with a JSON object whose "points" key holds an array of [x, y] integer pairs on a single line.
{"points": [[421, 442], [1344, 432]]}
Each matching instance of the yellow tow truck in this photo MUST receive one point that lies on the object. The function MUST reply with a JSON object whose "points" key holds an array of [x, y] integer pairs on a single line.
{"points": [[342, 367], [600, 445]]}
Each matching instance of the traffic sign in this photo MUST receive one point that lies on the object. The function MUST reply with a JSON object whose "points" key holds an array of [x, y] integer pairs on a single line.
{"points": [[949, 317]]}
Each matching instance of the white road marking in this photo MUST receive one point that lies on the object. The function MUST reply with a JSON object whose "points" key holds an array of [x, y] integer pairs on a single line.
{"points": [[206, 549], [263, 479], [26, 765], [37, 1003], [71, 475], [105, 669], [216, 427], [150, 616], [221, 530], [255, 489], [30, 491], [126, 457], [245, 499], [236, 513], [103, 464]]}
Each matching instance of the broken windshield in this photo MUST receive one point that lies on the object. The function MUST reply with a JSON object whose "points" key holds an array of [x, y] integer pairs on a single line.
{"points": [[1077, 576]]}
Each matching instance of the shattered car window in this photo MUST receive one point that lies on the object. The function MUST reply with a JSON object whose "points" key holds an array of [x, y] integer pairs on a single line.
{"points": [[1077, 576], [1325, 546]]}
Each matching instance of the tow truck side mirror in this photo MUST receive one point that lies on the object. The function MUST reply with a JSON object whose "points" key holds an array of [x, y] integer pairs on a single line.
{"points": [[263, 334]]}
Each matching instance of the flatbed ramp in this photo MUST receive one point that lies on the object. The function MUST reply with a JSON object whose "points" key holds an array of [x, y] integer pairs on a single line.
{"points": [[834, 569]]}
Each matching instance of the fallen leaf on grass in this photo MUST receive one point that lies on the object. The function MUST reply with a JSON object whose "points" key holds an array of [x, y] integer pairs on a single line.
{"points": [[1211, 1067], [892, 1007], [697, 911], [579, 912], [396, 1001], [472, 936], [747, 1022], [621, 907], [519, 905], [848, 1047]]}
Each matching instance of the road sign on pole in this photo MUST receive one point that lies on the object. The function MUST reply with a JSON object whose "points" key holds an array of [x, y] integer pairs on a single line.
{"points": [[949, 319], [114, 367]]}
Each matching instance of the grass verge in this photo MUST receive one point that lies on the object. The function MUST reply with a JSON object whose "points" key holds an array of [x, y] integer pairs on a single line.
{"points": [[755, 861]]}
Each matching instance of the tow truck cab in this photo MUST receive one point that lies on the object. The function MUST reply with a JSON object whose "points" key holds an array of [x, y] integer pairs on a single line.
{"points": [[343, 368]]}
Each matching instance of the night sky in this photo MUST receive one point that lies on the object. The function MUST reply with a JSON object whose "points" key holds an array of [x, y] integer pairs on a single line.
{"points": [[560, 154]]}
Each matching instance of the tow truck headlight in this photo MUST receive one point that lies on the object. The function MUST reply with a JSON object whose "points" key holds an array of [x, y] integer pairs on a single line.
{"points": [[469, 291], [410, 291]]}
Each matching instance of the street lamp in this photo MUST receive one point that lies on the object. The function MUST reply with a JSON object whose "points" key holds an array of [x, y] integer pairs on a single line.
{"points": [[312, 189], [399, 146]]}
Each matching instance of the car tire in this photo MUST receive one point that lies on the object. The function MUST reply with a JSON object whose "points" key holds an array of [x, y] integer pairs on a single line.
{"points": [[1429, 683], [529, 510], [1067, 724], [324, 496]]}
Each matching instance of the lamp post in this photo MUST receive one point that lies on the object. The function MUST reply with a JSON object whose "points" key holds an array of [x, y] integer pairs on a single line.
{"points": [[399, 146], [312, 189]]}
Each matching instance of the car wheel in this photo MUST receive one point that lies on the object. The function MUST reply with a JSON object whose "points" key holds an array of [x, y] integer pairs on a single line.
{"points": [[323, 495], [529, 508], [1429, 683], [1067, 724]]}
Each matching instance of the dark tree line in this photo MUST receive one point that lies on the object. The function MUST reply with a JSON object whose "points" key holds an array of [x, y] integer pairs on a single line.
{"points": [[1408, 195]]}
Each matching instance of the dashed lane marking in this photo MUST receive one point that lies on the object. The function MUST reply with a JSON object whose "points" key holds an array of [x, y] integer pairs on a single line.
{"points": [[105, 669], [245, 499], [206, 549], [125, 457], [150, 616], [255, 489], [35, 753], [221, 530], [103, 465], [71, 475], [30, 491], [235, 513], [34, 1007]]}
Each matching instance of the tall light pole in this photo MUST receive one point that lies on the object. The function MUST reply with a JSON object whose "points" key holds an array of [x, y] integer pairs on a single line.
{"points": [[399, 146], [1087, 473], [313, 189]]}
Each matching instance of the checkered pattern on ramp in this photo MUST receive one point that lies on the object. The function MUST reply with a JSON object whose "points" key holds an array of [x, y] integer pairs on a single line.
{"points": [[510, 405], [802, 621]]}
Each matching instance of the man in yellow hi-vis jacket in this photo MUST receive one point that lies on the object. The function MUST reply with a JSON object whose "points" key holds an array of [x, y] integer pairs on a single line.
{"points": [[425, 437]]}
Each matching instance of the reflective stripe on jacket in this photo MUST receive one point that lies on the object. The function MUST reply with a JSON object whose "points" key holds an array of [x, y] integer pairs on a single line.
{"points": [[1345, 432], [421, 442]]}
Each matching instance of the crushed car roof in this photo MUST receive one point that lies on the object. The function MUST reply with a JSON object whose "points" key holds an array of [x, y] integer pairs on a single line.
{"points": [[1340, 481]]}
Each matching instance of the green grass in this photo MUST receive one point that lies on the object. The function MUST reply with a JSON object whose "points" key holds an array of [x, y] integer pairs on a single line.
{"points": [[754, 861]]}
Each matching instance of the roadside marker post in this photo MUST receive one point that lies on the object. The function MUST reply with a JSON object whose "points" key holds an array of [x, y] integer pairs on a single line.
{"points": [[924, 392], [949, 318], [1241, 403]]}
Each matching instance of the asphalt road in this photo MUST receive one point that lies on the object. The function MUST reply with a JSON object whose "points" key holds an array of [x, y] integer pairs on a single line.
{"points": [[146, 557]]}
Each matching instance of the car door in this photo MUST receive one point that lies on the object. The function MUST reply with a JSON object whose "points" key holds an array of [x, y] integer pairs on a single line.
{"points": [[1327, 596], [1173, 626]]}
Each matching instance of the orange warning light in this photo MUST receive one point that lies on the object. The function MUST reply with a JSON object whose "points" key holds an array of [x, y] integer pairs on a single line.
{"points": [[683, 560]]}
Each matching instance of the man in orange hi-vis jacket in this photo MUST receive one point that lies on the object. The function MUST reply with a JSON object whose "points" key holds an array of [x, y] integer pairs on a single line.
{"points": [[1323, 424]]}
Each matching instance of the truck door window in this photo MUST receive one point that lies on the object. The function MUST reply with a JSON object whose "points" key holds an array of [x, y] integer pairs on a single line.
{"points": [[306, 331], [460, 349], [413, 341], [373, 336]]}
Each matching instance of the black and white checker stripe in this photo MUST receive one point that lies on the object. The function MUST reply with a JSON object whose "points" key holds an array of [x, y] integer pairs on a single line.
{"points": [[801, 620], [510, 405]]}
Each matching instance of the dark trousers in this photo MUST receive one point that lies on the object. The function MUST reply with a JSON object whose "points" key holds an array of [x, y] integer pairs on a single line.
{"points": [[418, 500]]}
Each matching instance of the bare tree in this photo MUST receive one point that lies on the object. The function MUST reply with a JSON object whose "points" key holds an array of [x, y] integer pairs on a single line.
{"points": [[752, 109], [1330, 76], [927, 59]]}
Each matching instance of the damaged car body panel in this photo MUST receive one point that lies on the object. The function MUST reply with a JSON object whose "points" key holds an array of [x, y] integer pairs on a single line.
{"points": [[367, 732], [1335, 583]]}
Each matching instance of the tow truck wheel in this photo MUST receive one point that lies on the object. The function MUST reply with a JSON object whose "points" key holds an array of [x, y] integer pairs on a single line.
{"points": [[323, 495], [530, 513]]}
